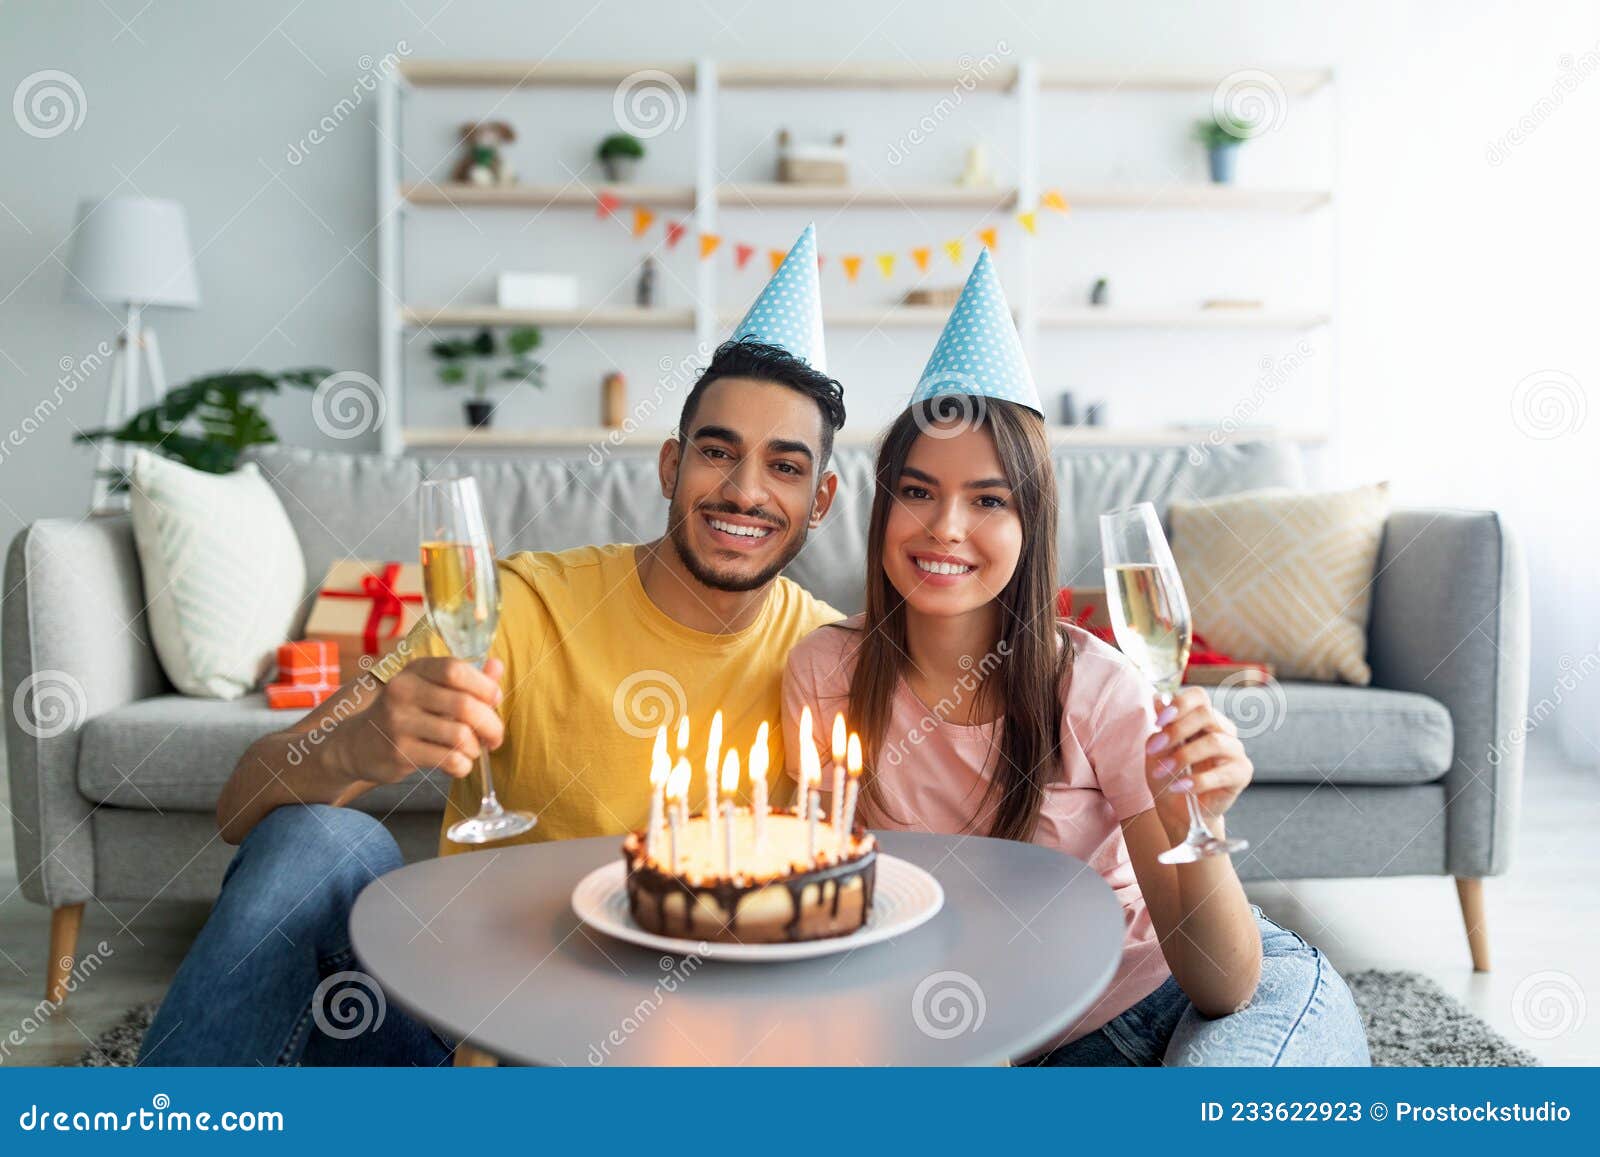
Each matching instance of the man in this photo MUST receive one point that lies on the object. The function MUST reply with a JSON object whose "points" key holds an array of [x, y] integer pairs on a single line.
{"points": [[592, 645]]}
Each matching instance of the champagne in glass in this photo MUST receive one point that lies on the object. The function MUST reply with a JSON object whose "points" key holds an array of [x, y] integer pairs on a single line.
{"points": [[462, 592], [1150, 618]]}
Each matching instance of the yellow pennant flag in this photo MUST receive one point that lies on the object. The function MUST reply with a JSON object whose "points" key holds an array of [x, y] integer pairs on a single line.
{"points": [[954, 249], [990, 237], [708, 244], [642, 220], [852, 265], [1029, 221], [920, 256], [886, 264], [776, 256], [1053, 199]]}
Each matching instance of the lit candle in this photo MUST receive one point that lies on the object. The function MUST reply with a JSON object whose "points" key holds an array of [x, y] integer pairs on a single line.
{"points": [[713, 762], [837, 802], [758, 783], [851, 793], [660, 769], [677, 789], [683, 735], [730, 787], [810, 777]]}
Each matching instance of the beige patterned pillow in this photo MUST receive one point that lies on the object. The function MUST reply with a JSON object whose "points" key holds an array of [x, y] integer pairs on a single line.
{"points": [[1284, 576]]}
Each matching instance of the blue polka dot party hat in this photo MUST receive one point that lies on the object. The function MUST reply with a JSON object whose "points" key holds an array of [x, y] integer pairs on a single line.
{"points": [[979, 352], [789, 311]]}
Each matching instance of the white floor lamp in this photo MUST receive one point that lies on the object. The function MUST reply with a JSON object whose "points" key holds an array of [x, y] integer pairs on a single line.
{"points": [[131, 252]]}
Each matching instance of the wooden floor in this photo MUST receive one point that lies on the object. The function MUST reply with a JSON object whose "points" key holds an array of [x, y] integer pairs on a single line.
{"points": [[1543, 933]]}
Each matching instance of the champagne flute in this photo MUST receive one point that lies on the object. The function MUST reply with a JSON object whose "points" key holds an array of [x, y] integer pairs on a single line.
{"points": [[1150, 617], [463, 597]]}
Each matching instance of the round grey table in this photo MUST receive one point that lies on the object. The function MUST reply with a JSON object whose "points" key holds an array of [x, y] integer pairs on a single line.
{"points": [[486, 949]]}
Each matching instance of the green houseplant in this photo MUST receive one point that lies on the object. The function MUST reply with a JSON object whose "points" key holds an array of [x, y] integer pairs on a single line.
{"points": [[1221, 136], [464, 360], [620, 154], [205, 423]]}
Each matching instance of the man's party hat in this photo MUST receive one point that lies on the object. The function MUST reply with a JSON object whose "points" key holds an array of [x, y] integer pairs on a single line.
{"points": [[789, 311], [979, 353]]}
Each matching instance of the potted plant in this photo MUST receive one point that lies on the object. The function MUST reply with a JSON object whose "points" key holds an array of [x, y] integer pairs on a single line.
{"points": [[1222, 136], [620, 154], [471, 359]]}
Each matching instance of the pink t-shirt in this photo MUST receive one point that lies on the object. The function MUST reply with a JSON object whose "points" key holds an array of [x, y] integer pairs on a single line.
{"points": [[937, 773]]}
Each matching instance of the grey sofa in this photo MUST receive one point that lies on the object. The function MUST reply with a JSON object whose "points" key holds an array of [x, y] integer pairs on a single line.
{"points": [[114, 801]]}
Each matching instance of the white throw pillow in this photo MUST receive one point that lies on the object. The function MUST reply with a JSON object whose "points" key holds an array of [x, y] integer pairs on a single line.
{"points": [[223, 573]]}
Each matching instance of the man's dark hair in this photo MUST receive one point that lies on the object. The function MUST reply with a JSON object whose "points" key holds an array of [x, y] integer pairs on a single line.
{"points": [[748, 358]]}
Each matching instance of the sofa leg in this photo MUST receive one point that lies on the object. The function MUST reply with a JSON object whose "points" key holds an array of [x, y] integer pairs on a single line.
{"points": [[64, 924], [1469, 890]]}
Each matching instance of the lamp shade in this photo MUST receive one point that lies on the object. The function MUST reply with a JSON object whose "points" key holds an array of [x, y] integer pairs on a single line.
{"points": [[134, 251]]}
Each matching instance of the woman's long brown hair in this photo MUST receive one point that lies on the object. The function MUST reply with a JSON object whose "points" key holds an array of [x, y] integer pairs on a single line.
{"points": [[1034, 659]]}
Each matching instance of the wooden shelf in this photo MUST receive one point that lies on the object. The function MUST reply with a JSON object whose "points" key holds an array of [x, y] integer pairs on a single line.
{"points": [[760, 196], [543, 196], [573, 437], [515, 74], [612, 317], [1112, 317], [1235, 197], [897, 75], [1294, 81]]}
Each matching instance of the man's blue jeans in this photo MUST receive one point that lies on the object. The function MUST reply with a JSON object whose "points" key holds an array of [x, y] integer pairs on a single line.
{"points": [[262, 983]]}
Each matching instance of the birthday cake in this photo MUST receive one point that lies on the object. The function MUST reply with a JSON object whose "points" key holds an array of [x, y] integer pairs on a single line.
{"points": [[775, 892]]}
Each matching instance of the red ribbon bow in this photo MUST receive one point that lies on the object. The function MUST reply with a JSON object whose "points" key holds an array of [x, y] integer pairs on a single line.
{"points": [[387, 603]]}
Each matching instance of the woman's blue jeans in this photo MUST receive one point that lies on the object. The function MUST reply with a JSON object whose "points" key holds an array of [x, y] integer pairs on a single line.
{"points": [[1302, 1014], [271, 979]]}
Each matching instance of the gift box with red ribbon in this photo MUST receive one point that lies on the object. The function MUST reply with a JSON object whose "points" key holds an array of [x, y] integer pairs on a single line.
{"points": [[308, 672], [1086, 607], [364, 609]]}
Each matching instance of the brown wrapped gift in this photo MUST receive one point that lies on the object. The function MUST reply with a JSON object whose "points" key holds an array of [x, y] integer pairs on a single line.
{"points": [[365, 609]]}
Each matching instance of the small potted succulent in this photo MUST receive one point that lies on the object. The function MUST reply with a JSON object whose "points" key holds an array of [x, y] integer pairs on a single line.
{"points": [[620, 154], [1222, 137], [471, 359]]}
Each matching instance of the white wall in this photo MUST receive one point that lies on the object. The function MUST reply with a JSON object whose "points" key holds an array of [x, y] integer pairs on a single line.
{"points": [[1455, 274]]}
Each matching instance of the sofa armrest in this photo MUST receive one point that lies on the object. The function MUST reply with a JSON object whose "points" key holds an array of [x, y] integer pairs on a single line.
{"points": [[1450, 620], [75, 644]]}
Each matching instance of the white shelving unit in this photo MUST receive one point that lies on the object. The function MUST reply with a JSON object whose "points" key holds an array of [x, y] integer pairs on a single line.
{"points": [[1023, 83]]}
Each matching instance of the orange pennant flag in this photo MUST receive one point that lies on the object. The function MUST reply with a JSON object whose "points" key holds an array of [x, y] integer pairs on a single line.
{"points": [[708, 244], [1053, 199], [886, 264], [606, 204], [990, 237], [852, 265], [776, 256], [954, 249], [741, 255], [1029, 221], [642, 220], [920, 256], [675, 232]]}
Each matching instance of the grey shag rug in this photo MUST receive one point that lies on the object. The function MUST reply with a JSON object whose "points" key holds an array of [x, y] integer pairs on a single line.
{"points": [[1410, 1021]]}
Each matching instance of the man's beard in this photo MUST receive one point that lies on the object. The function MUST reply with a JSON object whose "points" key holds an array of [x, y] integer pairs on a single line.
{"points": [[706, 574]]}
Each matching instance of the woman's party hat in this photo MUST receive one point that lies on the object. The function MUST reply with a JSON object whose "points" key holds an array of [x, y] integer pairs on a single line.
{"points": [[979, 353]]}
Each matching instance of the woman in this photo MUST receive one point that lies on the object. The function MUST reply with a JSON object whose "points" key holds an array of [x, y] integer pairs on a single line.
{"points": [[981, 713]]}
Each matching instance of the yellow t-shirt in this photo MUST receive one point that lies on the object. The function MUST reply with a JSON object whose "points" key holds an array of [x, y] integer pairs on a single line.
{"points": [[593, 667]]}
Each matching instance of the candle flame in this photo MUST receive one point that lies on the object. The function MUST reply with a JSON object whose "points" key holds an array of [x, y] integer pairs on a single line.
{"points": [[810, 761], [853, 764], [714, 745], [678, 783], [758, 754], [730, 773], [838, 738], [683, 734]]}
